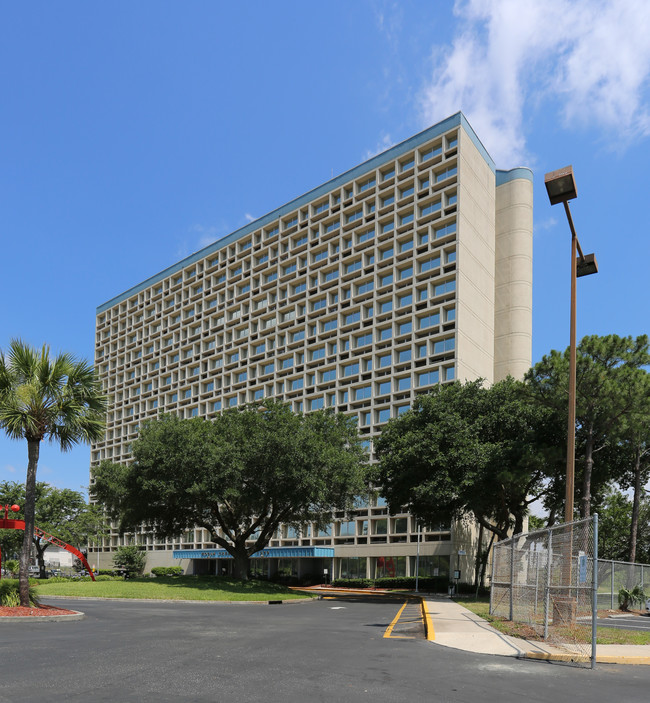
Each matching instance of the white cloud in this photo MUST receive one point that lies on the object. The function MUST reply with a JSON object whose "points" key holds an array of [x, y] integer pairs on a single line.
{"points": [[589, 58], [248, 217], [384, 143], [8, 468], [544, 225]]}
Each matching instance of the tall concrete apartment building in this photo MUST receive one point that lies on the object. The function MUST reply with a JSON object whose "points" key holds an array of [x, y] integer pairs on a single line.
{"points": [[411, 269]]}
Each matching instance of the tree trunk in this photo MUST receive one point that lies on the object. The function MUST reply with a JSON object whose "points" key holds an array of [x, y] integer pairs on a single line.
{"points": [[241, 562], [586, 479], [40, 557], [484, 561], [33, 447], [635, 505], [479, 554]]}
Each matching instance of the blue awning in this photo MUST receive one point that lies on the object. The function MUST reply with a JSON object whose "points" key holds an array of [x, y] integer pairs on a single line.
{"points": [[269, 553]]}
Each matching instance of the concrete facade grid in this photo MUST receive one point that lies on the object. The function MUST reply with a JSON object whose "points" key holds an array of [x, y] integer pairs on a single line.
{"points": [[348, 301]]}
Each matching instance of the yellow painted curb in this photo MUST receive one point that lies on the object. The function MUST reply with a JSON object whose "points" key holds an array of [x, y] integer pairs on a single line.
{"points": [[428, 622], [605, 659], [547, 656]]}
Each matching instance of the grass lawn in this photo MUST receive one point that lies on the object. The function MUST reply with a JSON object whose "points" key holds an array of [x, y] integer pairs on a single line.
{"points": [[172, 588], [606, 635]]}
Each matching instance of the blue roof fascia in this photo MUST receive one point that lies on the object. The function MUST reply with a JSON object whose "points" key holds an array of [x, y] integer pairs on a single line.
{"points": [[513, 174], [270, 552], [375, 162]]}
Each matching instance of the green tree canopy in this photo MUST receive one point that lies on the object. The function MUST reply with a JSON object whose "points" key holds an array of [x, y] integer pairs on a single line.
{"points": [[607, 391], [466, 448], [614, 518], [238, 476], [41, 398], [61, 512]]}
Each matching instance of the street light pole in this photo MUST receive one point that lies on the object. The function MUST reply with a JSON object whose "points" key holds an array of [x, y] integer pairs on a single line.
{"points": [[561, 187], [571, 425]]}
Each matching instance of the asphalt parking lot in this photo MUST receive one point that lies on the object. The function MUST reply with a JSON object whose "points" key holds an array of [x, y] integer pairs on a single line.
{"points": [[329, 651]]}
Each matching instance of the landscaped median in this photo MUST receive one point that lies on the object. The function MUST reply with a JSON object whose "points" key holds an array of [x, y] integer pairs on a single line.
{"points": [[199, 588]]}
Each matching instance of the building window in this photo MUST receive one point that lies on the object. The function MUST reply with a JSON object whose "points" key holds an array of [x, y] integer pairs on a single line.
{"points": [[446, 287], [444, 231], [404, 384], [428, 321], [430, 264], [383, 388], [362, 393], [383, 415], [403, 356], [316, 403], [428, 378]]}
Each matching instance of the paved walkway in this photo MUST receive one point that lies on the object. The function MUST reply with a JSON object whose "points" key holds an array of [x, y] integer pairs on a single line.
{"points": [[455, 626]]}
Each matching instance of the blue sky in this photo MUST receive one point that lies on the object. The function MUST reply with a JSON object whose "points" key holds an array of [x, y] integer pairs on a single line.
{"points": [[133, 134]]}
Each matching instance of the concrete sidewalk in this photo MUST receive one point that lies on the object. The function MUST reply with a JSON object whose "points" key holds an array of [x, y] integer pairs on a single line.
{"points": [[455, 626]]}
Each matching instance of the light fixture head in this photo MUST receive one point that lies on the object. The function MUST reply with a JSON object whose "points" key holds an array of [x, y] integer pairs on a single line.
{"points": [[560, 185], [586, 266]]}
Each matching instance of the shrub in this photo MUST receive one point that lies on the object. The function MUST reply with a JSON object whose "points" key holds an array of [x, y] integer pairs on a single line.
{"points": [[435, 584], [167, 571], [10, 593], [353, 583], [631, 597]]}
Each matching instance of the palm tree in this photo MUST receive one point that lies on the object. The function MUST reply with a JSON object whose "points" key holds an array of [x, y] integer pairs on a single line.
{"points": [[60, 400]]}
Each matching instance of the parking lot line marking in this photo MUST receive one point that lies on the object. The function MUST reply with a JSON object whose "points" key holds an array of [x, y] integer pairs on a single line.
{"points": [[389, 629]]}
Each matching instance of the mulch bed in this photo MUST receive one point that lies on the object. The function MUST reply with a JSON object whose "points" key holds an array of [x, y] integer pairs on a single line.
{"points": [[34, 611]]}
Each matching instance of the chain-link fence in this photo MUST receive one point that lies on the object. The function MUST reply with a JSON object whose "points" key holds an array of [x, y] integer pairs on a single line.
{"points": [[547, 579], [615, 575]]}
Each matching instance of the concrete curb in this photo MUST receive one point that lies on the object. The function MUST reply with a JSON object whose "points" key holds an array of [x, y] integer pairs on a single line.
{"points": [[75, 615], [600, 659], [176, 600]]}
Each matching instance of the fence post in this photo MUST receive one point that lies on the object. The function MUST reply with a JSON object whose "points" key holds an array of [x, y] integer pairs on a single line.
{"points": [[594, 607], [512, 576], [611, 607], [549, 557]]}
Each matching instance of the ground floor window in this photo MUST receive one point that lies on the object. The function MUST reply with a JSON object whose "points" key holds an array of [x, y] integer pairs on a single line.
{"points": [[259, 568], [389, 567], [287, 567], [352, 567], [431, 566]]}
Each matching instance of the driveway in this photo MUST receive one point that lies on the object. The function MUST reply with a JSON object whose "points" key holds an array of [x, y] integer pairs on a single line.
{"points": [[327, 651]]}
